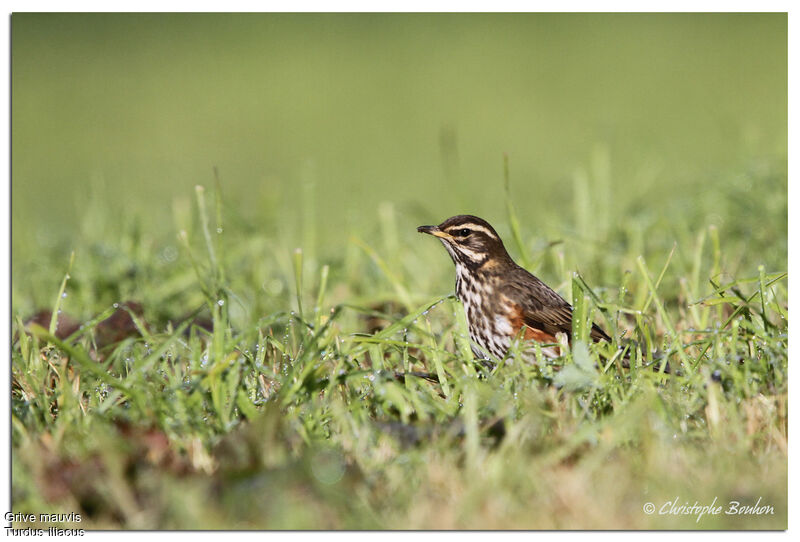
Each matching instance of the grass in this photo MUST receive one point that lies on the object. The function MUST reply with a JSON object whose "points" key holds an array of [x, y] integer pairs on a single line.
{"points": [[240, 417], [280, 349]]}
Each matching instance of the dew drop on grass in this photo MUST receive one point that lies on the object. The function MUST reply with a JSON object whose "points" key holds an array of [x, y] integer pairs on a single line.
{"points": [[221, 302], [64, 294]]}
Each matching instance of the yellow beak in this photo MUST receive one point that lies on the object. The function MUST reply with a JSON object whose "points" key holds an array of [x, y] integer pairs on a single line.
{"points": [[435, 231]]}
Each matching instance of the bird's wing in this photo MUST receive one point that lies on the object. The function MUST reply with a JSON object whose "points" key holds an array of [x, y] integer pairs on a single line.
{"points": [[540, 308]]}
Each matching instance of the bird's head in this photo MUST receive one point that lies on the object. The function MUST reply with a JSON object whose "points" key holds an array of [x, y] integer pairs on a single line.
{"points": [[471, 241]]}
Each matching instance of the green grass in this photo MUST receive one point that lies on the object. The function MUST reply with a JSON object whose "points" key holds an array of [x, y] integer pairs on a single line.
{"points": [[255, 385], [292, 418]]}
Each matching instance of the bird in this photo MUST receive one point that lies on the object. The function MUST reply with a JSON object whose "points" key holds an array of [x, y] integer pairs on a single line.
{"points": [[502, 300]]}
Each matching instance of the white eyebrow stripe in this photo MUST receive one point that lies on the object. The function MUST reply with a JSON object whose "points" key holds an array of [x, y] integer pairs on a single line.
{"points": [[474, 227]]}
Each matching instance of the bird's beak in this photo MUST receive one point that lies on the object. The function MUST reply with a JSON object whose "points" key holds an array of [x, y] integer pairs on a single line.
{"points": [[435, 231]]}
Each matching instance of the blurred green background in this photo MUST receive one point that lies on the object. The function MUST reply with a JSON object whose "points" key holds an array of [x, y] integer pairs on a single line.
{"points": [[315, 120]]}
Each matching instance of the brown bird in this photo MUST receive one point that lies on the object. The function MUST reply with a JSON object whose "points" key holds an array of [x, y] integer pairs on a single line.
{"points": [[500, 297]]}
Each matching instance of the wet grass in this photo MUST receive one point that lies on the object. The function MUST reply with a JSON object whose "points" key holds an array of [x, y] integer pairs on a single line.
{"points": [[358, 405]]}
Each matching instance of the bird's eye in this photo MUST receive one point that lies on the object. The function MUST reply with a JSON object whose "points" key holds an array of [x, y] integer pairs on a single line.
{"points": [[464, 233]]}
